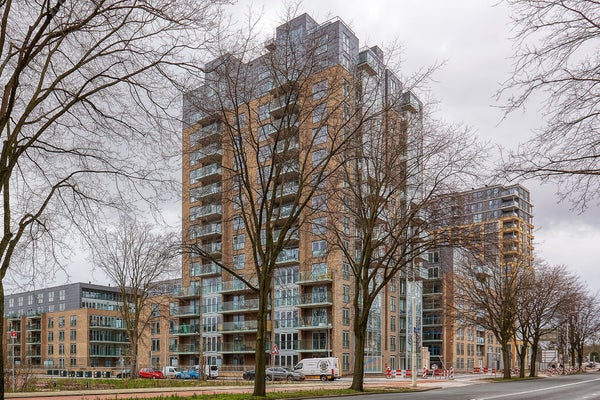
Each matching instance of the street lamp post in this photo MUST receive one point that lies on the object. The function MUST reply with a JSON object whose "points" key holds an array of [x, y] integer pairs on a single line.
{"points": [[329, 340], [413, 312]]}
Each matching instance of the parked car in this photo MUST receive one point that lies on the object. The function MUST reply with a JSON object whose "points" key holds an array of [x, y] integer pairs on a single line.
{"points": [[151, 373], [282, 374], [249, 375], [126, 373], [186, 374]]}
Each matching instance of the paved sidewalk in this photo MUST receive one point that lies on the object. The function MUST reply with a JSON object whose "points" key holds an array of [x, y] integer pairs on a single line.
{"points": [[382, 383]]}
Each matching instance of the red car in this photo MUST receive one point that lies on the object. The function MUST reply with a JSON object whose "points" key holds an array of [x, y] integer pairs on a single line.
{"points": [[151, 373]]}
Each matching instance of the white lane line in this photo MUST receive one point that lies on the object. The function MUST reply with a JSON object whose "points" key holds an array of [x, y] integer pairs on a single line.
{"points": [[536, 390]]}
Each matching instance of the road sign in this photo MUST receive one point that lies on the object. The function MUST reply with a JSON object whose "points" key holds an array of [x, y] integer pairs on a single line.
{"points": [[275, 349], [13, 334]]}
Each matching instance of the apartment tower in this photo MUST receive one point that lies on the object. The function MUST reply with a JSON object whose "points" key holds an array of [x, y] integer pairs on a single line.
{"points": [[288, 120]]}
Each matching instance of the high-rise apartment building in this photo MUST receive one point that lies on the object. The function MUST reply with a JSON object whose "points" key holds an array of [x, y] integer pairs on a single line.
{"points": [[286, 119], [498, 221]]}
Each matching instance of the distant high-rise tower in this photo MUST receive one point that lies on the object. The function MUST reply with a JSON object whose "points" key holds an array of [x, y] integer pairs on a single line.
{"points": [[496, 221]]}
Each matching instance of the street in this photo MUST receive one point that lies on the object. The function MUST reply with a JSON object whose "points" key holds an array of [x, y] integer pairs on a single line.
{"points": [[572, 387]]}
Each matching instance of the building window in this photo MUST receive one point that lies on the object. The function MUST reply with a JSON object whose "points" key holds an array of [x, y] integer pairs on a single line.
{"points": [[263, 111], [346, 316], [50, 336], [61, 336], [346, 339], [320, 135], [73, 362], [346, 271], [29, 299], [345, 362], [155, 344], [392, 304], [238, 223], [346, 43], [61, 349], [433, 272], [61, 322], [392, 343], [238, 241], [73, 334], [321, 44], [346, 293], [20, 301], [61, 295], [319, 248], [155, 327], [318, 156], [50, 349], [433, 257], [319, 89], [73, 320], [50, 322], [73, 348], [393, 324], [40, 298], [239, 261], [319, 202], [319, 226], [319, 113], [61, 307]]}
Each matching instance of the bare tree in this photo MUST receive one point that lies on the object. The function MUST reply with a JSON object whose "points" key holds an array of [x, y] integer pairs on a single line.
{"points": [[580, 319], [84, 115], [137, 260], [556, 59], [486, 295], [381, 224], [543, 292]]}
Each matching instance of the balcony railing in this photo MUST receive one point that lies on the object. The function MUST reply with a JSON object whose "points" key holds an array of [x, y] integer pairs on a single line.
{"points": [[205, 269], [315, 299], [190, 291], [313, 323], [208, 190], [315, 276], [185, 310], [239, 306], [205, 211], [313, 345], [184, 329], [205, 230]]}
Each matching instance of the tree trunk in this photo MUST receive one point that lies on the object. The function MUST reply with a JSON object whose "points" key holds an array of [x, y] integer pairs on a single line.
{"points": [[260, 388], [3, 339], [533, 358], [506, 360], [359, 361], [522, 360]]}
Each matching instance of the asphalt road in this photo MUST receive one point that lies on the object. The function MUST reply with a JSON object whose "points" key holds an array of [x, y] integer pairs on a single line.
{"points": [[570, 387]]}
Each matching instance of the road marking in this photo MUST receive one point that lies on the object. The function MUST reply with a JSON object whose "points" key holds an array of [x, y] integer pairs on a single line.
{"points": [[535, 390]]}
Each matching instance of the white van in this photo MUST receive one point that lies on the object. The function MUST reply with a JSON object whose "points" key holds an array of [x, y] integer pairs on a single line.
{"points": [[210, 371], [325, 369], [170, 372]]}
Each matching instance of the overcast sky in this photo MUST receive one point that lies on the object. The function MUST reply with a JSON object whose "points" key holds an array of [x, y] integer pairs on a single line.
{"points": [[473, 37]]}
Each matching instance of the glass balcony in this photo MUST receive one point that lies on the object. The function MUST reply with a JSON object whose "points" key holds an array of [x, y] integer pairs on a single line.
{"points": [[315, 299], [205, 211]]}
